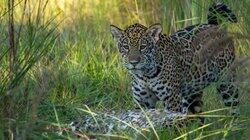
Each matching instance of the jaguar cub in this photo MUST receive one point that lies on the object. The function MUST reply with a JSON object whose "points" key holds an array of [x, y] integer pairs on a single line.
{"points": [[164, 67]]}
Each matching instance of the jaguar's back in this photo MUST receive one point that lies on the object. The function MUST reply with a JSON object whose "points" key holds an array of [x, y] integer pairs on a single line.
{"points": [[203, 65], [199, 74]]}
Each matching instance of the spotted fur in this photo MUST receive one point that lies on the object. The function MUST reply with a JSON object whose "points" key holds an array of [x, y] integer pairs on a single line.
{"points": [[165, 68]]}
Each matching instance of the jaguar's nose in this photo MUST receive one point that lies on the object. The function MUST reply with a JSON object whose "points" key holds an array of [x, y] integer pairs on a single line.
{"points": [[134, 60]]}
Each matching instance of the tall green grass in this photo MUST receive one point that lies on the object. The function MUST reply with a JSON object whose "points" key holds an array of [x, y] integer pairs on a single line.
{"points": [[67, 59]]}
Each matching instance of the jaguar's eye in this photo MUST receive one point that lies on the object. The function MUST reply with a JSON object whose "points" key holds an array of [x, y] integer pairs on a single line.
{"points": [[125, 46], [143, 47]]}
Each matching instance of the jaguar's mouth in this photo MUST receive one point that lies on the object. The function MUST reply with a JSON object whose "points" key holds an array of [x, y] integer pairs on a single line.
{"points": [[134, 69]]}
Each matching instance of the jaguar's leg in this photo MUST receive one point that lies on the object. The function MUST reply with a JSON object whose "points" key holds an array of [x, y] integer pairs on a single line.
{"points": [[228, 89], [143, 96], [192, 104]]}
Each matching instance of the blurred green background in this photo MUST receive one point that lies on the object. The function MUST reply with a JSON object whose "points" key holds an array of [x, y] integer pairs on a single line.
{"points": [[65, 58]]}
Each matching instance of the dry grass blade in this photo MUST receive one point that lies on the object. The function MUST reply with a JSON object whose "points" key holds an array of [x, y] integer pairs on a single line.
{"points": [[195, 130], [239, 62], [238, 67]]}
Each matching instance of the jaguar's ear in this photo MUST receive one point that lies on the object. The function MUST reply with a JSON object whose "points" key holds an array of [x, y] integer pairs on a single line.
{"points": [[154, 31], [116, 32]]}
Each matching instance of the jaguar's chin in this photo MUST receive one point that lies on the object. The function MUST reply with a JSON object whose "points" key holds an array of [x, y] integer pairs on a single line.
{"points": [[140, 71], [141, 68]]}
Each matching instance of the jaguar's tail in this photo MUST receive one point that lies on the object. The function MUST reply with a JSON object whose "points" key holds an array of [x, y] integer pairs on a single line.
{"points": [[219, 12]]}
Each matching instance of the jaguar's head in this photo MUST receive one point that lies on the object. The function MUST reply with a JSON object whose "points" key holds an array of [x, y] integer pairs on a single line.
{"points": [[137, 45]]}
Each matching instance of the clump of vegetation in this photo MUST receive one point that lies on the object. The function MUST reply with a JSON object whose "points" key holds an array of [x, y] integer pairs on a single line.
{"points": [[58, 56]]}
